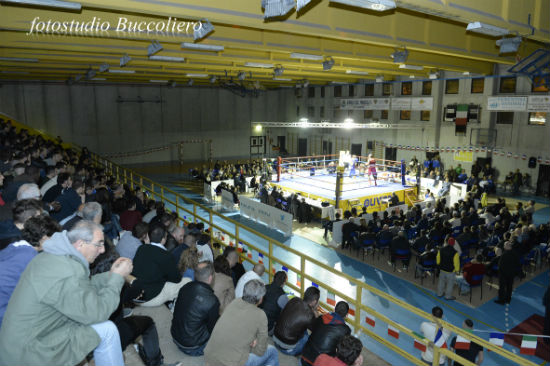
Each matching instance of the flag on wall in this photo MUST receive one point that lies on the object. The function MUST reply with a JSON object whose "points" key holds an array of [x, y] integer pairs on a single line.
{"points": [[417, 342], [260, 258], [461, 115], [497, 339], [394, 332], [528, 345], [331, 298], [371, 320]]}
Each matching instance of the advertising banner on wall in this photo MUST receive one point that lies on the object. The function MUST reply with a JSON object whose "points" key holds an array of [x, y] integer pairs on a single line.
{"points": [[227, 200], [401, 104], [266, 214], [365, 103], [422, 104], [464, 156], [506, 103], [538, 103]]}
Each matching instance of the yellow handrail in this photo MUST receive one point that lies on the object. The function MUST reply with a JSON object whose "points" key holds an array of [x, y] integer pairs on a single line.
{"points": [[136, 180]]}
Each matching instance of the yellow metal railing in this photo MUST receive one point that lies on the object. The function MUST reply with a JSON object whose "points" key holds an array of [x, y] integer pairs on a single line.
{"points": [[223, 236]]}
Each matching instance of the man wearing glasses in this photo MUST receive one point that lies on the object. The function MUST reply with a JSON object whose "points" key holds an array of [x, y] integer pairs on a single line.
{"points": [[58, 313]]}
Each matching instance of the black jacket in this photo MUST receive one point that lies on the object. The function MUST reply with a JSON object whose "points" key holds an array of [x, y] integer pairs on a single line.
{"points": [[327, 332], [197, 311], [153, 267], [509, 264], [293, 321], [269, 304]]}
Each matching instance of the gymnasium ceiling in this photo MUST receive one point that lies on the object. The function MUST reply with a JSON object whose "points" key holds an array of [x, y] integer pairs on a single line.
{"points": [[359, 41]]}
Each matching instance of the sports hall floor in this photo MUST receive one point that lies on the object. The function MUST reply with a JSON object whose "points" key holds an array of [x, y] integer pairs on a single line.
{"points": [[487, 316]]}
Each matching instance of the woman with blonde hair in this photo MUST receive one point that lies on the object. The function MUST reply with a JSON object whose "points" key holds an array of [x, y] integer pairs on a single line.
{"points": [[188, 262]]}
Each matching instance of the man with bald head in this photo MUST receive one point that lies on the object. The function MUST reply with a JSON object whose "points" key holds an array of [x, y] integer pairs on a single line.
{"points": [[255, 274]]}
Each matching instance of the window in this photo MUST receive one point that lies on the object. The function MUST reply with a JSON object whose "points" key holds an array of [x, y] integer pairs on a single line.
{"points": [[405, 115], [386, 88], [322, 92], [451, 86], [384, 114], [424, 115], [539, 85], [298, 111], [367, 114], [338, 91], [369, 90], [426, 88], [507, 85], [477, 85], [322, 112], [537, 118], [406, 88], [351, 91], [310, 113], [311, 92], [505, 118]]}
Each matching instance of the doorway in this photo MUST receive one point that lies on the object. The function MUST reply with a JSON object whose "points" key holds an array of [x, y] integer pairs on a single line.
{"points": [[356, 149], [327, 147], [543, 183], [302, 147], [281, 143], [391, 153]]}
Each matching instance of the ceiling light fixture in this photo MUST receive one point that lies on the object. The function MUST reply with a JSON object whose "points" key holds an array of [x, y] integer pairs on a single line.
{"points": [[154, 47], [46, 3], [487, 29], [328, 63], [306, 83], [258, 64], [509, 45], [433, 75], [400, 57], [306, 56], [202, 47], [279, 70], [241, 75], [18, 59], [117, 71], [124, 60], [377, 5], [213, 79], [379, 78], [277, 8], [354, 72], [282, 79], [205, 28], [193, 75], [411, 67], [301, 4], [104, 67], [167, 58], [158, 81]]}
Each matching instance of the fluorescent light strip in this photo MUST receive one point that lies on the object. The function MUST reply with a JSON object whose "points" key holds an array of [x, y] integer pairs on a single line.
{"points": [[353, 72], [46, 3], [258, 64], [191, 75], [282, 79], [166, 58], [487, 29], [306, 56], [377, 5], [411, 67], [122, 71], [18, 59], [202, 47], [158, 81]]}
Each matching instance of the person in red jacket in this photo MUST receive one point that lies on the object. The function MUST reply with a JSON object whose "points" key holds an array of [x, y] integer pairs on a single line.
{"points": [[348, 353], [474, 268]]}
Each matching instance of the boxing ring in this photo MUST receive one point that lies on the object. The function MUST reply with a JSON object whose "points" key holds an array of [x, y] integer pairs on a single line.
{"points": [[344, 183]]}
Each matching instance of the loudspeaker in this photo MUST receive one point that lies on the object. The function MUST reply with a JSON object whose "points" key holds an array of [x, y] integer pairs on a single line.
{"points": [[532, 162]]}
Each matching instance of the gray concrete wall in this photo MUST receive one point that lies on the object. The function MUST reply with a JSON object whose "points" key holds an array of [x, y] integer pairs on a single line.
{"points": [[91, 116]]}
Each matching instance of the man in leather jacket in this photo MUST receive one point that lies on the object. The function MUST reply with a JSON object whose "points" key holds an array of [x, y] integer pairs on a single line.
{"points": [[196, 312], [297, 317], [328, 329]]}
